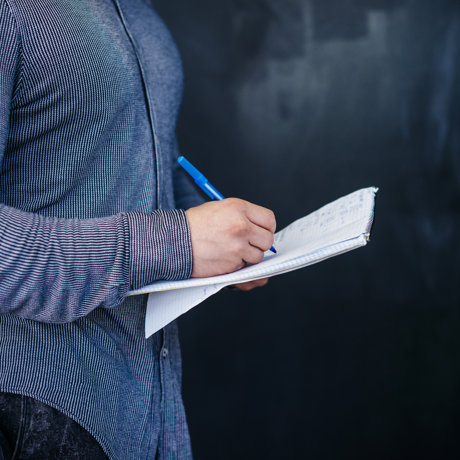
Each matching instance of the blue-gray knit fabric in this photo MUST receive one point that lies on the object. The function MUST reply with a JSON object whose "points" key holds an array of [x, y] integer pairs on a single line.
{"points": [[89, 199]]}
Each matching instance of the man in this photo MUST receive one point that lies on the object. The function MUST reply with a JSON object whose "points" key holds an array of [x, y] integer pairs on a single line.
{"points": [[90, 208]]}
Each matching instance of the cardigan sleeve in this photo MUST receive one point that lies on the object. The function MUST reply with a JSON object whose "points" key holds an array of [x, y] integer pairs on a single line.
{"points": [[58, 270]]}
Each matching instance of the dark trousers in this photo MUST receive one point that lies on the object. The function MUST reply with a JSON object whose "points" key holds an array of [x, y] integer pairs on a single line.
{"points": [[30, 429]]}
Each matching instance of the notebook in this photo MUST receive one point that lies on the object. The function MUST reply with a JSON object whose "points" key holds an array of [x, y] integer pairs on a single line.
{"points": [[334, 229]]}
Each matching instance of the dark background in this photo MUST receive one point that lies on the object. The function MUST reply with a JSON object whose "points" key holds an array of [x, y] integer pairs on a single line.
{"points": [[292, 104]]}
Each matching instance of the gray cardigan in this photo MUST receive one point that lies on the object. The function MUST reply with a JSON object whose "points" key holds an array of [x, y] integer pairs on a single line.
{"points": [[89, 96]]}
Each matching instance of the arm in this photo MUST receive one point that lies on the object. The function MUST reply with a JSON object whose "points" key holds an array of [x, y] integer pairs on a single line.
{"points": [[57, 270]]}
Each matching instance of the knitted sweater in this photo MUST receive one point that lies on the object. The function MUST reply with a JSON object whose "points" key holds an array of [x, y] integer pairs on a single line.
{"points": [[89, 96]]}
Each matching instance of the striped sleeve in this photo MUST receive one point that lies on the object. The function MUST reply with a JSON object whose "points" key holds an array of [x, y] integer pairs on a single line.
{"points": [[58, 270], [160, 247]]}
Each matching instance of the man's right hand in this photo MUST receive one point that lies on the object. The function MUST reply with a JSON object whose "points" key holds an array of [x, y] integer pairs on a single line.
{"points": [[228, 234]]}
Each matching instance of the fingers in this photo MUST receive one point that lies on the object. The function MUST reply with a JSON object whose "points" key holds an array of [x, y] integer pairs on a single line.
{"points": [[257, 228], [254, 242], [258, 215], [260, 238], [262, 217], [246, 226], [253, 255], [251, 284]]}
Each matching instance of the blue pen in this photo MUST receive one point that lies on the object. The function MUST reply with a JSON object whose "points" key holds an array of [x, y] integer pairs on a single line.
{"points": [[203, 183]]}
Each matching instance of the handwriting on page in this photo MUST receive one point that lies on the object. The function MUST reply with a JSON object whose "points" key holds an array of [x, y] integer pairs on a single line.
{"points": [[336, 218]]}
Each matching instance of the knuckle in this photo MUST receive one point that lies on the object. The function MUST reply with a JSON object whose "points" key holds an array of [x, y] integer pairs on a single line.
{"points": [[240, 226], [268, 243], [236, 250], [235, 203], [254, 256], [272, 220], [259, 257]]}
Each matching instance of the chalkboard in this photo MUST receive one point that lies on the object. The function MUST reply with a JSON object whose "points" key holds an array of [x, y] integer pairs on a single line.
{"points": [[291, 104]]}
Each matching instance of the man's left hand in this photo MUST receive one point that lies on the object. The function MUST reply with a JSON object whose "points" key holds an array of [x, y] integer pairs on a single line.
{"points": [[250, 284]]}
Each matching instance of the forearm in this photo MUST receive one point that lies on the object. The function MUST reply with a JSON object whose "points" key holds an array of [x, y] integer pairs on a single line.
{"points": [[57, 270]]}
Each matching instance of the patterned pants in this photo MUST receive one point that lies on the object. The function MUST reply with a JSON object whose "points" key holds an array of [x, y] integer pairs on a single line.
{"points": [[30, 429]]}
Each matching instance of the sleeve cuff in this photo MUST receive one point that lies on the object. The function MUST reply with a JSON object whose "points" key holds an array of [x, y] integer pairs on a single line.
{"points": [[160, 247]]}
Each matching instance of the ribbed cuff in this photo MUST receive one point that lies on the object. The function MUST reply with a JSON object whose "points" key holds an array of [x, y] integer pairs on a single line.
{"points": [[160, 247]]}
